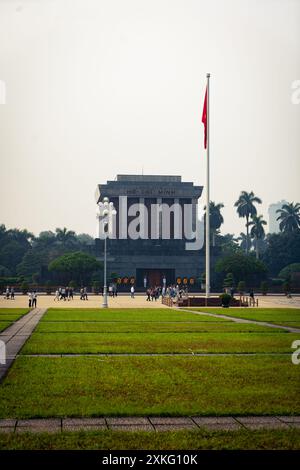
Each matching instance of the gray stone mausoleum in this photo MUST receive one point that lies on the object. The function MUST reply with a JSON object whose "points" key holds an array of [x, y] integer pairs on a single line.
{"points": [[151, 259]]}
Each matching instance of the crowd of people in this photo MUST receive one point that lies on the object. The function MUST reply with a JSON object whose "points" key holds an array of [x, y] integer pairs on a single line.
{"points": [[63, 293], [154, 293], [67, 293]]}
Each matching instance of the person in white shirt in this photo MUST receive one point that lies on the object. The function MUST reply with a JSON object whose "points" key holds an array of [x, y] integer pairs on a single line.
{"points": [[132, 292], [34, 299], [29, 299]]}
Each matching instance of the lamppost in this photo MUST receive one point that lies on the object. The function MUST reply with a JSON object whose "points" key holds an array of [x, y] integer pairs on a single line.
{"points": [[109, 211]]}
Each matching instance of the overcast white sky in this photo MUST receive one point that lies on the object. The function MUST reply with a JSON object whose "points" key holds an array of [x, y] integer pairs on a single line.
{"points": [[100, 87]]}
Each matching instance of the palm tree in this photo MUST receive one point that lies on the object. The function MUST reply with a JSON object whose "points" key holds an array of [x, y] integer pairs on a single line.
{"points": [[243, 239], [215, 218], [257, 230], [246, 208], [289, 216], [64, 236]]}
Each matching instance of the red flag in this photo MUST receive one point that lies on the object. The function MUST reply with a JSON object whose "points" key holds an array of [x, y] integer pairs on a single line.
{"points": [[204, 119]]}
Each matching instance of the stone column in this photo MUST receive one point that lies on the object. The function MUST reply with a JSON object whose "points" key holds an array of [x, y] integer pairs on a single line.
{"points": [[143, 219], [159, 221], [194, 213], [178, 219]]}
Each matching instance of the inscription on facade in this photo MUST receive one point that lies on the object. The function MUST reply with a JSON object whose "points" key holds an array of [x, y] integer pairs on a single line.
{"points": [[164, 192]]}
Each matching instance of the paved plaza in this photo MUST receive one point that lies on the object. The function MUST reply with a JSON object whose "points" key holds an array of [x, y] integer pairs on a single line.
{"points": [[125, 301]]}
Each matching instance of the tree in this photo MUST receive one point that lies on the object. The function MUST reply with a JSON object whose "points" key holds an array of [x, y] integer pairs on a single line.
{"points": [[289, 216], [46, 238], [4, 272], [264, 287], [30, 265], [65, 236], [246, 208], [229, 280], [11, 254], [257, 230], [282, 249], [85, 239], [228, 243], [77, 266], [13, 245], [215, 219], [241, 287], [243, 268], [287, 272], [243, 241]]}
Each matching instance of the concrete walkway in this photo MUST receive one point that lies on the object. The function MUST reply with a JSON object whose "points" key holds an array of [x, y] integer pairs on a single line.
{"points": [[149, 423], [15, 336], [241, 320], [183, 354]]}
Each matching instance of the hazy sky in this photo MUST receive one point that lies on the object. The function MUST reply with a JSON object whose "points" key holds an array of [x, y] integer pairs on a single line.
{"points": [[100, 87]]}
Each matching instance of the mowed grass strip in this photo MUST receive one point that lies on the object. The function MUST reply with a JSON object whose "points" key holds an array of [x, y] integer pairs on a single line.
{"points": [[12, 313], [150, 327], [281, 439], [280, 316], [178, 386], [9, 315], [4, 324], [124, 315], [290, 324], [148, 343]]}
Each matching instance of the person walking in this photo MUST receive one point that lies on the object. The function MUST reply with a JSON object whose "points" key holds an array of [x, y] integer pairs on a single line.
{"points": [[56, 295], [132, 292], [12, 294], [63, 293], [81, 294], [85, 293], [71, 293], [113, 290], [148, 292], [29, 299], [34, 299]]}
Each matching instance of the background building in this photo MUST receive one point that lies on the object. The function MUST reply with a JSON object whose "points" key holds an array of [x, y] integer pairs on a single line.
{"points": [[273, 223], [151, 259]]}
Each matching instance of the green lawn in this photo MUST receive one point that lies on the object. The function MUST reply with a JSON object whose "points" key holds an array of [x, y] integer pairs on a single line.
{"points": [[150, 327], [279, 316], [175, 440], [150, 385], [89, 386], [124, 315], [60, 343], [4, 324], [9, 315]]}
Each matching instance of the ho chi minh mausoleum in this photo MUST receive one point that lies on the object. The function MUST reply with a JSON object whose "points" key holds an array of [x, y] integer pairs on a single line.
{"points": [[151, 258]]}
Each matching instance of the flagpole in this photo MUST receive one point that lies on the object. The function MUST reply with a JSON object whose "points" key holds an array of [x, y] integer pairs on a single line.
{"points": [[207, 232]]}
